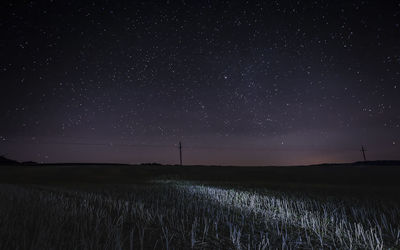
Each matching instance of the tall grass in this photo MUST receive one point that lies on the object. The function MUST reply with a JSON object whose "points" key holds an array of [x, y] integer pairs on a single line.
{"points": [[187, 216]]}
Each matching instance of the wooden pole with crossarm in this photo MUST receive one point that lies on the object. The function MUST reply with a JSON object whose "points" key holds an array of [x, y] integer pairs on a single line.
{"points": [[363, 152], [180, 153]]}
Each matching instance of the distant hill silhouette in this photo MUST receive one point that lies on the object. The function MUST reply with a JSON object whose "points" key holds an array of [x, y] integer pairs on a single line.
{"points": [[384, 163], [355, 164], [29, 163], [6, 161], [379, 163], [152, 164]]}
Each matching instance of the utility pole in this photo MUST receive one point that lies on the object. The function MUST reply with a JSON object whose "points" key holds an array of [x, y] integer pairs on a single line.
{"points": [[180, 153], [363, 152]]}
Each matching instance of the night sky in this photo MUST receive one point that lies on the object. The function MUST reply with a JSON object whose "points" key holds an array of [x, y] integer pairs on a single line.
{"points": [[241, 83]]}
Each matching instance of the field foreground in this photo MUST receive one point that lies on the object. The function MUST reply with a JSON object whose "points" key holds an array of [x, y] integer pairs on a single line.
{"points": [[186, 215], [100, 206]]}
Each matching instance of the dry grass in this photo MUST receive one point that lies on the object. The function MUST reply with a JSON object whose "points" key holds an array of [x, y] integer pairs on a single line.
{"points": [[177, 215]]}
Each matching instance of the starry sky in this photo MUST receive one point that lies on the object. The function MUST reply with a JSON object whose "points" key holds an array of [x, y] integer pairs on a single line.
{"points": [[238, 82]]}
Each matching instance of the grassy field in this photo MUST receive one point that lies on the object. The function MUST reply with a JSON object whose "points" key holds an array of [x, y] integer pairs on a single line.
{"points": [[351, 206]]}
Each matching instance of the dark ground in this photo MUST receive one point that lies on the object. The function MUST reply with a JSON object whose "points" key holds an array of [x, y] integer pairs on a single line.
{"points": [[365, 178]]}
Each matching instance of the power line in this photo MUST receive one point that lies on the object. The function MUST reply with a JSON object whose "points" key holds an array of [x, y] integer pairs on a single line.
{"points": [[363, 152], [180, 153], [143, 145], [104, 144]]}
